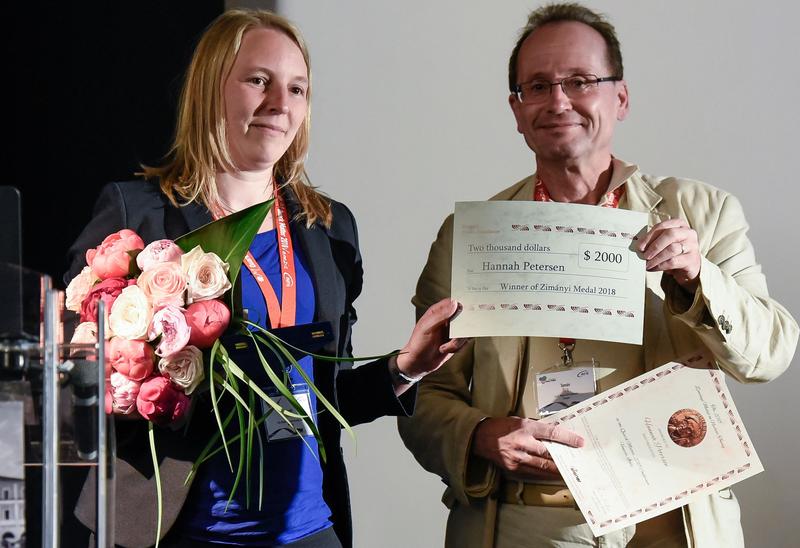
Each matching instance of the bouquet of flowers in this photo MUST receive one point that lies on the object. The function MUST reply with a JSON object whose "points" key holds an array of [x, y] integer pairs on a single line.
{"points": [[164, 309], [164, 305]]}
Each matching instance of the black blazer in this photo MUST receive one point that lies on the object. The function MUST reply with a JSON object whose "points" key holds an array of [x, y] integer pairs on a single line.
{"points": [[361, 394]]}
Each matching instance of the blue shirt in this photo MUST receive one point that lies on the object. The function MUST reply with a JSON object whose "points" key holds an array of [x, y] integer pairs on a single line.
{"points": [[292, 506]]}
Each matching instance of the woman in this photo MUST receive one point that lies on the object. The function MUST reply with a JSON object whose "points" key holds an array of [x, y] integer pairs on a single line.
{"points": [[241, 138]]}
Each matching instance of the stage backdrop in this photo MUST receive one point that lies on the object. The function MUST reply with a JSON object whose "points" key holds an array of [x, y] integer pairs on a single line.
{"points": [[410, 114]]}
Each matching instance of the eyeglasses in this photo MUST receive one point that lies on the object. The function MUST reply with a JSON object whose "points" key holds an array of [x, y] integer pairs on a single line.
{"points": [[574, 87]]}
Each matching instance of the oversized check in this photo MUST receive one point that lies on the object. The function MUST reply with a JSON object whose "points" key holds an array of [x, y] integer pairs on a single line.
{"points": [[653, 443], [549, 270]]}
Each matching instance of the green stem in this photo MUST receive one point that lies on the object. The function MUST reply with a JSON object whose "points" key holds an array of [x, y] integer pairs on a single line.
{"points": [[151, 435]]}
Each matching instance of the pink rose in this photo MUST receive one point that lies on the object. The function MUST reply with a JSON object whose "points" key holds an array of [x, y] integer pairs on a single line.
{"points": [[108, 290], [163, 284], [160, 401], [133, 358], [169, 323], [208, 321], [78, 288], [111, 259], [184, 368], [124, 392], [158, 252]]}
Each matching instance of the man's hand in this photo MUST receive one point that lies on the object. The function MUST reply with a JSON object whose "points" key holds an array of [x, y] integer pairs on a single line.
{"points": [[429, 345], [514, 444], [671, 246]]}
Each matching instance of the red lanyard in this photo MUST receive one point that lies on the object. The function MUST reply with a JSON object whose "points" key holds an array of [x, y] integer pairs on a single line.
{"points": [[283, 313]]}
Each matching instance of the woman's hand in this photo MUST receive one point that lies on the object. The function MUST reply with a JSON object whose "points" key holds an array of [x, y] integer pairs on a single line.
{"points": [[429, 346]]}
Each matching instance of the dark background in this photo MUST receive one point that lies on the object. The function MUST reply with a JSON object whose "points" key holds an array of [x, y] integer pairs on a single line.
{"points": [[94, 93], [95, 88]]}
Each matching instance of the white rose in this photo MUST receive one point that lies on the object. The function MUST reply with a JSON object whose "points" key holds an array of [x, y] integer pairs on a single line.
{"points": [[184, 368], [207, 275], [85, 333], [79, 287], [130, 314]]}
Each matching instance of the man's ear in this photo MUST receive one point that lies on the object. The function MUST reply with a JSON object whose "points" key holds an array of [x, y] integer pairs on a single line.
{"points": [[624, 101], [515, 105]]}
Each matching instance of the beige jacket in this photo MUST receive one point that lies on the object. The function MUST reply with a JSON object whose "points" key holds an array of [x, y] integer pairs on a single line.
{"points": [[483, 379]]}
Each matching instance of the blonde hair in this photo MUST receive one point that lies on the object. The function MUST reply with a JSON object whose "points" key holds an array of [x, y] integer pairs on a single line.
{"points": [[200, 147]]}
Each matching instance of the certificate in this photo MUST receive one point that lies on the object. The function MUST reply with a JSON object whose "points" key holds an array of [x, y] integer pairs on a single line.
{"points": [[653, 443], [549, 270]]}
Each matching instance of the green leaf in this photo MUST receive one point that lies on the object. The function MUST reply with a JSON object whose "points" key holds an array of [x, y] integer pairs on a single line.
{"points": [[279, 345], [240, 466], [229, 237], [280, 385], [321, 357], [152, 437], [214, 401], [133, 267]]}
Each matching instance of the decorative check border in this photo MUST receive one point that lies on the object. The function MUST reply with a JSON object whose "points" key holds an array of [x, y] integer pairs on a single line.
{"points": [[717, 379], [573, 229], [536, 307]]}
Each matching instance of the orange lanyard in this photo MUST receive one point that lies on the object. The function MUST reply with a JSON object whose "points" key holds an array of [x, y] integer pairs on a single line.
{"points": [[283, 313], [610, 199]]}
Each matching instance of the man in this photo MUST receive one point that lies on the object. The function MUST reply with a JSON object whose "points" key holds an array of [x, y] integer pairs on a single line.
{"points": [[703, 289]]}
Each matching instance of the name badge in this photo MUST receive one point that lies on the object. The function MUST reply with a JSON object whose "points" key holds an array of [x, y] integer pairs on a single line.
{"points": [[280, 428], [560, 388]]}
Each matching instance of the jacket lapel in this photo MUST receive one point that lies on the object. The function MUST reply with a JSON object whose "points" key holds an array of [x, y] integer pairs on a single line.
{"points": [[182, 220], [640, 196], [195, 216], [314, 243]]}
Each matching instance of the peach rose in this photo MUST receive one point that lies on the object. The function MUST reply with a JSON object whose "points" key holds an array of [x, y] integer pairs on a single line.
{"points": [[207, 275], [164, 284], [134, 359], [111, 258], [123, 393], [79, 287], [169, 323], [131, 314], [208, 320], [184, 368], [160, 401]]}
